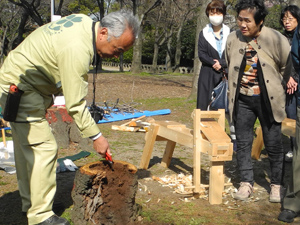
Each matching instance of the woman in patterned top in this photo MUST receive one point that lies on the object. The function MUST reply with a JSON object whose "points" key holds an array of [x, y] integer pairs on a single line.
{"points": [[259, 67]]}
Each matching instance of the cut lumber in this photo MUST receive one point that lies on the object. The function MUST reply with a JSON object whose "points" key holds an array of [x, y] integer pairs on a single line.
{"points": [[124, 128], [125, 124]]}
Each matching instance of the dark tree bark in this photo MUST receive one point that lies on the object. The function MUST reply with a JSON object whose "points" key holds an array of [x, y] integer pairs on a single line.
{"points": [[136, 66], [103, 196]]}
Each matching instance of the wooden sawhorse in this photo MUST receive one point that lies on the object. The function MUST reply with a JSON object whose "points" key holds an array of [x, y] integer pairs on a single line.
{"points": [[288, 128], [208, 136]]}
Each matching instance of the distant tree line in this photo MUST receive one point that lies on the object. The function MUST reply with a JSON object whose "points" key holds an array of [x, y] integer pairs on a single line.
{"points": [[168, 34]]}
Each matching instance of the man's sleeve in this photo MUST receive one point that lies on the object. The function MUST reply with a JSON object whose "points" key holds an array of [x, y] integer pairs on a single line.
{"points": [[73, 64]]}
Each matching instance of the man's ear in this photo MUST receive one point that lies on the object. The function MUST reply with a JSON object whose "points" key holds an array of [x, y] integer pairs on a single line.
{"points": [[102, 32]]}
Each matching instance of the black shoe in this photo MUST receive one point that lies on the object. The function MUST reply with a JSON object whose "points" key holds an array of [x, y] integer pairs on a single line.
{"points": [[55, 220], [287, 215]]}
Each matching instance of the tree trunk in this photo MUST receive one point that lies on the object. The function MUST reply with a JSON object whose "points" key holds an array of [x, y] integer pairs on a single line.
{"points": [[155, 51], [121, 62], [201, 22], [21, 30], [178, 49], [105, 196], [169, 57], [136, 66], [155, 57], [3, 47]]}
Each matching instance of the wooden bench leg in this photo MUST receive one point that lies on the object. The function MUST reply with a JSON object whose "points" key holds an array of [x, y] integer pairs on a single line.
{"points": [[196, 151], [148, 148], [216, 182], [258, 144], [3, 137], [166, 160]]}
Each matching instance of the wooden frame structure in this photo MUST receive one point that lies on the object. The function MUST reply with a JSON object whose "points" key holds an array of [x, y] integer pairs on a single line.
{"points": [[288, 127], [207, 136]]}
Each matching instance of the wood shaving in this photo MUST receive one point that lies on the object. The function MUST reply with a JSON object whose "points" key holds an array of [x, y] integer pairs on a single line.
{"points": [[179, 182]]}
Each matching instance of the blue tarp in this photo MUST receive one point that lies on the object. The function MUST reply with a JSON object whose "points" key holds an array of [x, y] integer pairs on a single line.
{"points": [[125, 116]]}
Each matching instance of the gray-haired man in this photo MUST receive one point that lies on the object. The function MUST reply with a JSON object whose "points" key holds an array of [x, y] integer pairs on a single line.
{"points": [[56, 58]]}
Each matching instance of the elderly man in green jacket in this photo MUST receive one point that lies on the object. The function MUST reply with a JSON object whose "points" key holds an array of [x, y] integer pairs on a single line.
{"points": [[55, 58]]}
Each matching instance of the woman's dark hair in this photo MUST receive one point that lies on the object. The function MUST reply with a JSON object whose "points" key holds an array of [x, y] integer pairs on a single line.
{"points": [[216, 5], [293, 9], [259, 9]]}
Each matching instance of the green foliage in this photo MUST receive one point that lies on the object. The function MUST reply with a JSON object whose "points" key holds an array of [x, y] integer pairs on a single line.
{"points": [[127, 57], [188, 42], [86, 7], [273, 18]]}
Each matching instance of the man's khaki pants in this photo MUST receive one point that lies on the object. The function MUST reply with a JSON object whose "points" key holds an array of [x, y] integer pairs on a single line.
{"points": [[35, 154]]}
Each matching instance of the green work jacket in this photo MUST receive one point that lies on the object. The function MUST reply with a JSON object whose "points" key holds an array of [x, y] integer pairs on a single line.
{"points": [[54, 58]]}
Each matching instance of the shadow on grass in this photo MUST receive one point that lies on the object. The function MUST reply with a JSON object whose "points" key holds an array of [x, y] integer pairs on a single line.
{"points": [[11, 206]]}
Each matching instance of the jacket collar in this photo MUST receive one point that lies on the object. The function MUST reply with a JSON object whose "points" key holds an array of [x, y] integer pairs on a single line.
{"points": [[210, 38]]}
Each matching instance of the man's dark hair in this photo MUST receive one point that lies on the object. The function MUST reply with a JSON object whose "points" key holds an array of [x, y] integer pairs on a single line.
{"points": [[216, 5], [293, 9], [259, 9]]}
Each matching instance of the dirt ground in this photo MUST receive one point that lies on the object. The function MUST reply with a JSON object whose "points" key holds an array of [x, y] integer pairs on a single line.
{"points": [[158, 203]]}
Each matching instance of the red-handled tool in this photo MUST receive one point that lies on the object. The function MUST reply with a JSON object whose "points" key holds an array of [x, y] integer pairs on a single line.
{"points": [[109, 160], [13, 88]]}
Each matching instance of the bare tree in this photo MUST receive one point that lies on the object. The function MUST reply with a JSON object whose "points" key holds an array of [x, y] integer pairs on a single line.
{"points": [[9, 22], [141, 10], [184, 12], [159, 19]]}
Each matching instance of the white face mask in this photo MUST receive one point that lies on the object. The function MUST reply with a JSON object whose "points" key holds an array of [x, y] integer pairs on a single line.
{"points": [[216, 20]]}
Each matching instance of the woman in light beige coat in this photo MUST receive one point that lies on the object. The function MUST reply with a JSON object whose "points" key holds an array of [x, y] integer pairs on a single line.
{"points": [[259, 67]]}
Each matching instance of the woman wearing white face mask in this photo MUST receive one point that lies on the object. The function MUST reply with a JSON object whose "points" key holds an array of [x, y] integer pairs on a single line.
{"points": [[211, 47]]}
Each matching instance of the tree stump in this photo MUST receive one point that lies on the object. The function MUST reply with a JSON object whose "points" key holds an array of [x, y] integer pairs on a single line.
{"points": [[65, 130], [103, 196]]}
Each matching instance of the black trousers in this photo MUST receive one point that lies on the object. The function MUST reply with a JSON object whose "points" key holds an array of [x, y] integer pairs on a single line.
{"points": [[248, 110]]}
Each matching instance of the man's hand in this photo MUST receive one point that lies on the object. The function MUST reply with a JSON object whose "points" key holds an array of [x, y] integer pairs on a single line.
{"points": [[101, 146]]}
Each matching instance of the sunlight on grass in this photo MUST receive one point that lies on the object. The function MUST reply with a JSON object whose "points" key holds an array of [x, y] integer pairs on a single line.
{"points": [[172, 214], [67, 215]]}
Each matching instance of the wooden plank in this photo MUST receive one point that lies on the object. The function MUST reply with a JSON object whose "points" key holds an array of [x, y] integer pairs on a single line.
{"points": [[258, 144], [170, 124], [196, 151], [222, 149], [185, 138], [124, 124], [216, 182], [214, 132], [148, 148], [288, 127], [3, 137], [221, 120], [210, 114], [124, 128], [220, 158], [289, 122], [139, 123], [166, 160]]}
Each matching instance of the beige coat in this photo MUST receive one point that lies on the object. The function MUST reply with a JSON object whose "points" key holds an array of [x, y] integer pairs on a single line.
{"points": [[278, 48]]}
